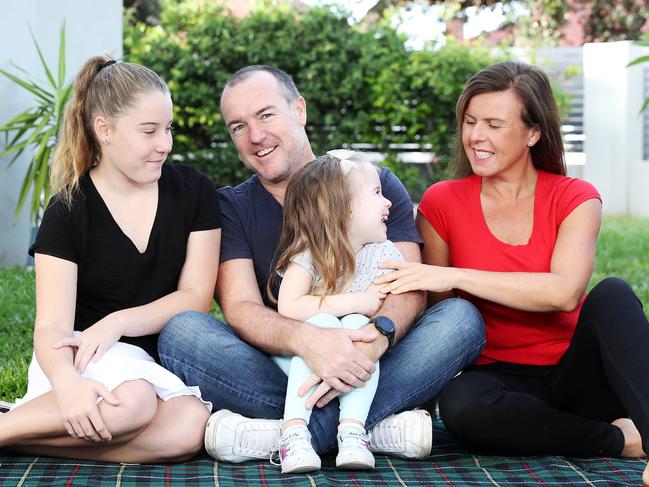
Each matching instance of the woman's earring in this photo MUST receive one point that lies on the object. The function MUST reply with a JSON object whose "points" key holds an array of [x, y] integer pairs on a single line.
{"points": [[107, 142]]}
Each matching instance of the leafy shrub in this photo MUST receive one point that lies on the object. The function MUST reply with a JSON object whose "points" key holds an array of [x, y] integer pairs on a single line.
{"points": [[361, 86]]}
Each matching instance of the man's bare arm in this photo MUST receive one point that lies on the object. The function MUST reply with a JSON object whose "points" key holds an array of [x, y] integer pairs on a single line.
{"points": [[244, 310]]}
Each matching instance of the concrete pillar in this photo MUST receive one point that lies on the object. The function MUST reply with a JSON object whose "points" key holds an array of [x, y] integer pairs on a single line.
{"points": [[93, 27], [613, 126]]}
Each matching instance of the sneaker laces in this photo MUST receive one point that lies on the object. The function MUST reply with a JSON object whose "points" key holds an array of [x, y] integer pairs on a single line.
{"points": [[353, 436], [296, 439], [254, 440], [386, 437]]}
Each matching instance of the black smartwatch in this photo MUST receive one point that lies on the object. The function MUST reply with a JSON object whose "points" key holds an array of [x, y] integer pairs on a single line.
{"points": [[386, 328]]}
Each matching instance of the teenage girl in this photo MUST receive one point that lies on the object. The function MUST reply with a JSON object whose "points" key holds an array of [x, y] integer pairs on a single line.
{"points": [[126, 243]]}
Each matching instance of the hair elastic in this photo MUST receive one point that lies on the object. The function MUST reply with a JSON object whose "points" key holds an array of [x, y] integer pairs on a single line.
{"points": [[107, 63], [344, 156]]}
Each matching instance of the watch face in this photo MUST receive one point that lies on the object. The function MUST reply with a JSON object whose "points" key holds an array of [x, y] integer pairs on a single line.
{"points": [[385, 324]]}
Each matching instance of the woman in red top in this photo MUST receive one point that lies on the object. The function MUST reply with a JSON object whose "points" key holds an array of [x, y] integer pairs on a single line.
{"points": [[561, 371]]}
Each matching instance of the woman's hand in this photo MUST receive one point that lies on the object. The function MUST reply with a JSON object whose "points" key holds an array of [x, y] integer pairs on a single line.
{"points": [[410, 276], [77, 402], [93, 342]]}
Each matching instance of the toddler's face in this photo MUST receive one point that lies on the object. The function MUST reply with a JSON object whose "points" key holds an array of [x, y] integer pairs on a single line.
{"points": [[370, 210]]}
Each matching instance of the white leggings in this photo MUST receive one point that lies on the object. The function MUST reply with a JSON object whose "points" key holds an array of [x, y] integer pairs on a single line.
{"points": [[354, 404]]}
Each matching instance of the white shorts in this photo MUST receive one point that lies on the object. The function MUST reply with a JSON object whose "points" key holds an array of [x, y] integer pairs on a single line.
{"points": [[122, 362]]}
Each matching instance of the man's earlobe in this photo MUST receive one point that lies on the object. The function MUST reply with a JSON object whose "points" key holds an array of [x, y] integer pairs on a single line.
{"points": [[300, 106]]}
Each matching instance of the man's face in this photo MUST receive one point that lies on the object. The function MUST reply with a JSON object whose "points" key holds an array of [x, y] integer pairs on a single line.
{"points": [[267, 130]]}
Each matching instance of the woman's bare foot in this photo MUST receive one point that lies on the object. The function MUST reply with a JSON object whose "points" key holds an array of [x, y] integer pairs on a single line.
{"points": [[645, 476], [632, 441]]}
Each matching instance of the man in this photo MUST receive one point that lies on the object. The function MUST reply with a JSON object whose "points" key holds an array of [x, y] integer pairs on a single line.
{"points": [[266, 117]]}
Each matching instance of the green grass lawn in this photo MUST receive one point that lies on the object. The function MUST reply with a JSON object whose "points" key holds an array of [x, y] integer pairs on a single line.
{"points": [[623, 251]]}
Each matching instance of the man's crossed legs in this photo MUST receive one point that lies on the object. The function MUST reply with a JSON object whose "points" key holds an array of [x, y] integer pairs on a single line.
{"points": [[235, 376]]}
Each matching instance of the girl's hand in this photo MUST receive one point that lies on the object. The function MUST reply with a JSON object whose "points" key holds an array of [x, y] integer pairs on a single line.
{"points": [[93, 342], [410, 276], [368, 303], [77, 402]]}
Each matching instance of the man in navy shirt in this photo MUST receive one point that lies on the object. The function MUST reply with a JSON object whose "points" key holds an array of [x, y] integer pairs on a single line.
{"points": [[266, 117]]}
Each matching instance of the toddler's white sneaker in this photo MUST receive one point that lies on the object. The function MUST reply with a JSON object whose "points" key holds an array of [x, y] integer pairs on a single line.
{"points": [[353, 448], [296, 454]]}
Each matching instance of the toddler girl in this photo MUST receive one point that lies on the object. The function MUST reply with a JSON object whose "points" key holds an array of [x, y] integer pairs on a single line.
{"points": [[333, 237]]}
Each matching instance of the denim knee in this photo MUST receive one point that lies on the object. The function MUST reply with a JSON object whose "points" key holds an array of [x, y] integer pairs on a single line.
{"points": [[188, 336], [461, 316], [472, 320], [181, 329]]}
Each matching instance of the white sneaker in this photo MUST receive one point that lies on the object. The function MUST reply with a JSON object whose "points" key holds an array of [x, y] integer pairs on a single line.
{"points": [[406, 435], [353, 452], [233, 438], [296, 454]]}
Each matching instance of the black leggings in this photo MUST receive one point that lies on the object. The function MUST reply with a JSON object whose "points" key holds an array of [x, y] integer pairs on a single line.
{"points": [[564, 409]]}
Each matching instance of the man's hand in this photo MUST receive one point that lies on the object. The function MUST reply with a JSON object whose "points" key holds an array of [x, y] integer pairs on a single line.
{"points": [[321, 395], [332, 355], [325, 392]]}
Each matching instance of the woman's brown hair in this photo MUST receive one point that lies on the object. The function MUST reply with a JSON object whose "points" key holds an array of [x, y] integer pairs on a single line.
{"points": [[532, 87]]}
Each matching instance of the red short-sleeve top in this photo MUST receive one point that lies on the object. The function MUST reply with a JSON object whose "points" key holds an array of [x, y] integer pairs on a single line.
{"points": [[454, 210]]}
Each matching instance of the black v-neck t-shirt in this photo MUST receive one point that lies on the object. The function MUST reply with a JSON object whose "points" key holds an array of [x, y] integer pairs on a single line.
{"points": [[112, 273]]}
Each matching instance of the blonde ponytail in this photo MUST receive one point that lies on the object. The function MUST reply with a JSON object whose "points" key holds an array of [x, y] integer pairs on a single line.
{"points": [[76, 151]]}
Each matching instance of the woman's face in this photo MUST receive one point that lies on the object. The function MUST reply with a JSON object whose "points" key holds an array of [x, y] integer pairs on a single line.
{"points": [[140, 139], [494, 137]]}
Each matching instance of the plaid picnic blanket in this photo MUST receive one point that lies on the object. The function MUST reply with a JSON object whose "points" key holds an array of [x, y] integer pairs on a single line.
{"points": [[449, 465]]}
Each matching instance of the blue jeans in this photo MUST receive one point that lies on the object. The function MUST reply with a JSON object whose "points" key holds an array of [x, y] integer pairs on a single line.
{"points": [[233, 375]]}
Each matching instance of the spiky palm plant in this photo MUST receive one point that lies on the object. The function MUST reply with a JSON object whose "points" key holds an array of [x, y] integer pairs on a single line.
{"points": [[37, 128]]}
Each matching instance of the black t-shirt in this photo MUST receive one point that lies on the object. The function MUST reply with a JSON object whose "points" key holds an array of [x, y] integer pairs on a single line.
{"points": [[112, 273], [252, 223]]}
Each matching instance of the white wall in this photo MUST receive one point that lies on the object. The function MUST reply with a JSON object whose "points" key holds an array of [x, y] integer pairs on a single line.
{"points": [[613, 95], [92, 27]]}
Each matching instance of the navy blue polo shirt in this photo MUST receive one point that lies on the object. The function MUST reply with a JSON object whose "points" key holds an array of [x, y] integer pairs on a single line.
{"points": [[251, 220]]}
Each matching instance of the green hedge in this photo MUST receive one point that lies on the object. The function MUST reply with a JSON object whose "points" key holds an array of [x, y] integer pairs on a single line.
{"points": [[361, 86]]}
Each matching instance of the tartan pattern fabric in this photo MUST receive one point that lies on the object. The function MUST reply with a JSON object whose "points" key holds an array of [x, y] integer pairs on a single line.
{"points": [[449, 465]]}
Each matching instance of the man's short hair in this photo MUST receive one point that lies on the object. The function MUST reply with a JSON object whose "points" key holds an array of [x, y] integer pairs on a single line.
{"points": [[286, 83]]}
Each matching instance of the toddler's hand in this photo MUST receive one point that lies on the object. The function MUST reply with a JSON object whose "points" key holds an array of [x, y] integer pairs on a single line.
{"points": [[368, 302]]}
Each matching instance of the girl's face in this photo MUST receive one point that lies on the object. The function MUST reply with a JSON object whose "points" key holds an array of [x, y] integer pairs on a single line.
{"points": [[370, 210], [494, 137], [140, 139]]}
